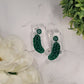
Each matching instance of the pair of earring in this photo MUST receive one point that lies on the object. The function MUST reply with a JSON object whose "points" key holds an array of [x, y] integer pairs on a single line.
{"points": [[55, 50]]}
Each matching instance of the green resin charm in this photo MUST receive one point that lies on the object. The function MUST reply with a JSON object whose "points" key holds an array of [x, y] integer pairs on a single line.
{"points": [[37, 42], [55, 49]]}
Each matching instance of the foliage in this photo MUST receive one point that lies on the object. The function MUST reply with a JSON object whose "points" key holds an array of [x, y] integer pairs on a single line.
{"points": [[75, 10]]}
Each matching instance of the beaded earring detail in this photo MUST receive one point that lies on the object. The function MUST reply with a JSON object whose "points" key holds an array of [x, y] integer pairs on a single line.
{"points": [[55, 49], [37, 42]]}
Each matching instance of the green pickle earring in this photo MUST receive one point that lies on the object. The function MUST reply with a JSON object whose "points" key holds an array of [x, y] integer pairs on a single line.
{"points": [[55, 49], [37, 42]]}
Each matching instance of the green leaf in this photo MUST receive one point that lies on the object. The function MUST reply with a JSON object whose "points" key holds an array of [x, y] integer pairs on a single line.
{"points": [[83, 36], [81, 14], [75, 10], [82, 8], [79, 5], [12, 73], [78, 32]]}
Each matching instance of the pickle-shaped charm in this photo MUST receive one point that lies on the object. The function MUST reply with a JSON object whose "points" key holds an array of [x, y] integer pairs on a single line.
{"points": [[55, 49], [37, 42]]}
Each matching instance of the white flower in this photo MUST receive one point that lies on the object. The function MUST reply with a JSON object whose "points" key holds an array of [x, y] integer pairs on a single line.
{"points": [[3, 77], [6, 56], [21, 63], [30, 76], [11, 49], [14, 43], [14, 58]]}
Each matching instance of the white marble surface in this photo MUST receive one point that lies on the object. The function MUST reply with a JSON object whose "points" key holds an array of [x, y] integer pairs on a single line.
{"points": [[17, 16]]}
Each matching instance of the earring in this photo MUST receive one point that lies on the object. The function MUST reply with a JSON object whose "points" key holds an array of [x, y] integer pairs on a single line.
{"points": [[55, 49], [37, 42]]}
